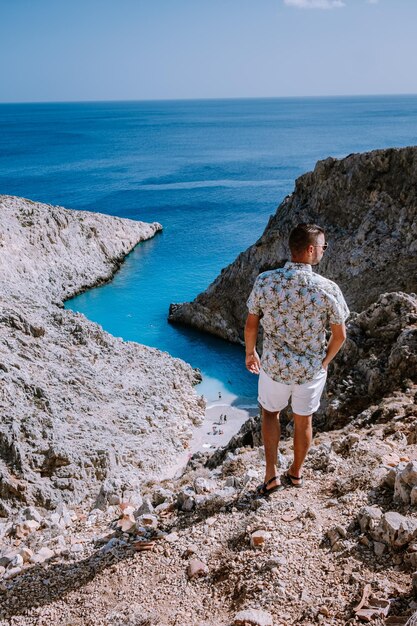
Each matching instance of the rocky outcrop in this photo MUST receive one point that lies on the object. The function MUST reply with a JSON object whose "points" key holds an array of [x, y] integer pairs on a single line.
{"points": [[49, 253], [83, 413], [367, 205], [377, 363]]}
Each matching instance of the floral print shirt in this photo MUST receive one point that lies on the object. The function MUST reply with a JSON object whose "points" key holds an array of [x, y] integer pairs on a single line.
{"points": [[296, 306]]}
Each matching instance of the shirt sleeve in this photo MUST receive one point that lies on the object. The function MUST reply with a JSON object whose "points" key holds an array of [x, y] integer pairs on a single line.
{"points": [[253, 302], [338, 309]]}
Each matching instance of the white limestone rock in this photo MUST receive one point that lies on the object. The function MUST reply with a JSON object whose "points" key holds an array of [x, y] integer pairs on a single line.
{"points": [[79, 406], [405, 483], [369, 518]]}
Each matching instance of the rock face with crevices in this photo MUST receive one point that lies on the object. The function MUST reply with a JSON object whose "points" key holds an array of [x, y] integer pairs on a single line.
{"points": [[367, 206], [82, 412], [378, 360]]}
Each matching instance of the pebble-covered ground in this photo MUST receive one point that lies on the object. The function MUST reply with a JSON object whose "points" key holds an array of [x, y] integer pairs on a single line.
{"points": [[202, 549]]}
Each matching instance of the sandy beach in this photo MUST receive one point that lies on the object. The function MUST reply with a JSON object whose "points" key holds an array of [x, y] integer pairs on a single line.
{"points": [[216, 431]]}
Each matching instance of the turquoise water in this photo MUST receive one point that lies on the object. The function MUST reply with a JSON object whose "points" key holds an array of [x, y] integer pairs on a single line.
{"points": [[212, 172]]}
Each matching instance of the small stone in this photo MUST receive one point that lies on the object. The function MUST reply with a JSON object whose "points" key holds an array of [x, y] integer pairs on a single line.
{"points": [[190, 551], [31, 525], [196, 568], [275, 562], [332, 502], [391, 460], [146, 507], [127, 508], [365, 541], [43, 555], [334, 535], [250, 476], [77, 548], [65, 516], [159, 534], [54, 519], [162, 496], [341, 530], [17, 561], [6, 558], [369, 517], [26, 554], [305, 597], [134, 497], [379, 548], [148, 520], [225, 493], [171, 537], [112, 544], [204, 485], [26, 527], [254, 617], [402, 490], [409, 474], [11, 573], [126, 523], [395, 529], [30, 513], [188, 505], [143, 545], [164, 508], [310, 513], [259, 538]]}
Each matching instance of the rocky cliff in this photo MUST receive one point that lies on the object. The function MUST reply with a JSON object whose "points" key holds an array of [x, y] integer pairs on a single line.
{"points": [[82, 413], [367, 205], [340, 551]]}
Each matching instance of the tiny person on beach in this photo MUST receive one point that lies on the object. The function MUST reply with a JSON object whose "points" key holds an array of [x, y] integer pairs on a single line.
{"points": [[295, 307]]}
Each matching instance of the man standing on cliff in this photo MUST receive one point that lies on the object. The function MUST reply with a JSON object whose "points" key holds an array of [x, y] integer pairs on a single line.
{"points": [[295, 306]]}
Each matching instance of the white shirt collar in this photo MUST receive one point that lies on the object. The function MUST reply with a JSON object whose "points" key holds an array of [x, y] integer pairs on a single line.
{"points": [[303, 267]]}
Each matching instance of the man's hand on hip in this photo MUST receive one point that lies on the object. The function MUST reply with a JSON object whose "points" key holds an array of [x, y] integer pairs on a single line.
{"points": [[253, 362]]}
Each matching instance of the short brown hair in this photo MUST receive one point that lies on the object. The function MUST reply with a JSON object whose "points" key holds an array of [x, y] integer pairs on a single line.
{"points": [[303, 235]]}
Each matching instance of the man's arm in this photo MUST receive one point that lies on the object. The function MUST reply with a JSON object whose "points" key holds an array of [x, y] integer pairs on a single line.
{"points": [[253, 361], [337, 339]]}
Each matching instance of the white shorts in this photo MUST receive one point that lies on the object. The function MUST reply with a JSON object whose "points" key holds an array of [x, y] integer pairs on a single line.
{"points": [[305, 399]]}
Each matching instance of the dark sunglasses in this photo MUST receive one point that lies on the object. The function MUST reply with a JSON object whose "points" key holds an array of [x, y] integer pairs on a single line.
{"points": [[323, 245]]}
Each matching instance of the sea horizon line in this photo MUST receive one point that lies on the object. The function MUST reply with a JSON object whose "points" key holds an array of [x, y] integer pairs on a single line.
{"points": [[211, 99]]}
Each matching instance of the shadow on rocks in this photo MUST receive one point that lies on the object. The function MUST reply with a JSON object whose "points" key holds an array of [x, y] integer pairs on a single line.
{"points": [[42, 585]]}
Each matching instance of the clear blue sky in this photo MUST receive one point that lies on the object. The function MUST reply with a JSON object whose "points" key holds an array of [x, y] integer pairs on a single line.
{"points": [[65, 50]]}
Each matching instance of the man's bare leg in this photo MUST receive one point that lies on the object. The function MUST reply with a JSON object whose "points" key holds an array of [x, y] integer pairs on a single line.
{"points": [[303, 435], [271, 433]]}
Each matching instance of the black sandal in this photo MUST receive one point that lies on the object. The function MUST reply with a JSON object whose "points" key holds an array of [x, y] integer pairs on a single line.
{"points": [[261, 490], [288, 480]]}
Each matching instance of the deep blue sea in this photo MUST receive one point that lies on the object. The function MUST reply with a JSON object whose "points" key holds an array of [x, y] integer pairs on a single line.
{"points": [[212, 172]]}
